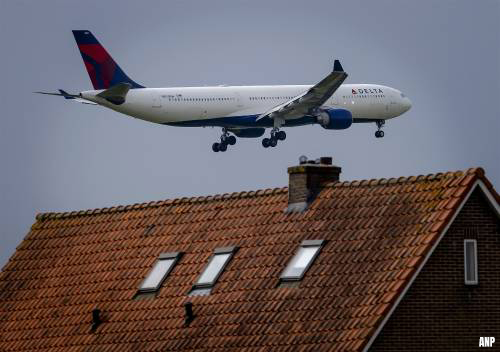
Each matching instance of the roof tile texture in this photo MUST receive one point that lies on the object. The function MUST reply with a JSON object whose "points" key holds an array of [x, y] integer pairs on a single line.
{"points": [[377, 233]]}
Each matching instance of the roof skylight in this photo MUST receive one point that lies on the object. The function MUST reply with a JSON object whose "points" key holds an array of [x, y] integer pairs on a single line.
{"points": [[212, 271], [159, 272], [302, 260]]}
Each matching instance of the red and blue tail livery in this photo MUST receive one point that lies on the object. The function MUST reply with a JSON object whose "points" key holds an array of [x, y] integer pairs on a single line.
{"points": [[104, 72]]}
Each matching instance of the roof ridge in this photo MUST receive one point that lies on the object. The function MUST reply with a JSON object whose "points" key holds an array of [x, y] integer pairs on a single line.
{"points": [[152, 204], [478, 171]]}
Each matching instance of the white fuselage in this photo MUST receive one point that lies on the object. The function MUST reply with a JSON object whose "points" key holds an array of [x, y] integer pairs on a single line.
{"points": [[239, 106]]}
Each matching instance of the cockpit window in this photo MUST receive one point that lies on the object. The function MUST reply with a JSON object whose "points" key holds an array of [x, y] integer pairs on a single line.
{"points": [[403, 95]]}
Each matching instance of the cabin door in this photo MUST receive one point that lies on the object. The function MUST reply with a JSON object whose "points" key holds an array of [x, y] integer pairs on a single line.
{"points": [[156, 100], [239, 100]]}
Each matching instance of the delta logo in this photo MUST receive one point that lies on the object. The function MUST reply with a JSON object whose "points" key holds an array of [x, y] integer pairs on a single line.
{"points": [[367, 91]]}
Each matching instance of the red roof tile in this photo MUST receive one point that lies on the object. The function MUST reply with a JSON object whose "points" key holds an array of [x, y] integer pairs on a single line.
{"points": [[377, 232]]}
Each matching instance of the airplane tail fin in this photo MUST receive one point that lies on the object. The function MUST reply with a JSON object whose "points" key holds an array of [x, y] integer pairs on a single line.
{"points": [[104, 72]]}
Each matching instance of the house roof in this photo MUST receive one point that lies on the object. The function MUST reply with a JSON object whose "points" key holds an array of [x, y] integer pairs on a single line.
{"points": [[377, 232]]}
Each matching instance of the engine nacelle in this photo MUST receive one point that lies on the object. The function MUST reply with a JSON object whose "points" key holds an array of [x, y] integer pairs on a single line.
{"points": [[335, 119]]}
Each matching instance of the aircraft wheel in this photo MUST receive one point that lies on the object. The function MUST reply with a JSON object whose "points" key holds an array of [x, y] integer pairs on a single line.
{"points": [[223, 147], [231, 140], [273, 142], [215, 147], [265, 142], [381, 134], [377, 134], [281, 135]]}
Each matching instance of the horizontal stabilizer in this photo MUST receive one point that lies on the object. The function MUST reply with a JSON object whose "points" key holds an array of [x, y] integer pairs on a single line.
{"points": [[83, 101], [72, 97], [61, 94], [116, 94], [65, 94]]}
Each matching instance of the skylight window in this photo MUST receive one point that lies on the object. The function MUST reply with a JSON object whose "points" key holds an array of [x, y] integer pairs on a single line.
{"points": [[302, 260], [159, 272], [470, 262], [212, 271]]}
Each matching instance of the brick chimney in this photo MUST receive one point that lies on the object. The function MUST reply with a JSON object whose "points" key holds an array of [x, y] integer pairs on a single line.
{"points": [[306, 181]]}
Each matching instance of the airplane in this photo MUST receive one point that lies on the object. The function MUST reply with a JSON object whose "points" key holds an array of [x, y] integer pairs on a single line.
{"points": [[241, 111]]}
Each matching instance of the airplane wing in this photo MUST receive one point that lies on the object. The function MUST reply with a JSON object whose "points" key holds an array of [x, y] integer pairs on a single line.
{"points": [[73, 97], [308, 102]]}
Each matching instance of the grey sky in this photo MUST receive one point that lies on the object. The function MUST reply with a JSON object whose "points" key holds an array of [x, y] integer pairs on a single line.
{"points": [[58, 156]]}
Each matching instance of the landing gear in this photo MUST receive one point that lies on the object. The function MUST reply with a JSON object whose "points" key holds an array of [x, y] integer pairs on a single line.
{"points": [[225, 140], [379, 133], [281, 135], [276, 135], [231, 140]]}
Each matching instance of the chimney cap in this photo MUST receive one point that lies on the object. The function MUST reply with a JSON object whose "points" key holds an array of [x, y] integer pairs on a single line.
{"points": [[326, 160]]}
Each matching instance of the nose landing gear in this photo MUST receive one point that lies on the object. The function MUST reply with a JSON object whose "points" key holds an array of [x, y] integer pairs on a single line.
{"points": [[276, 135], [225, 140], [379, 133]]}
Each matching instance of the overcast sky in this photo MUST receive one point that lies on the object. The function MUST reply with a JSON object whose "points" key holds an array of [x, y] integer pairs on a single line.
{"points": [[59, 156]]}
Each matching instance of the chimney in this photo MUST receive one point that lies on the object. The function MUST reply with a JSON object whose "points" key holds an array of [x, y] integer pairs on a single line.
{"points": [[307, 179]]}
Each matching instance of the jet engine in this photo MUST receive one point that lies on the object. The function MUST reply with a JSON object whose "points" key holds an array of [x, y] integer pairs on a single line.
{"points": [[335, 119]]}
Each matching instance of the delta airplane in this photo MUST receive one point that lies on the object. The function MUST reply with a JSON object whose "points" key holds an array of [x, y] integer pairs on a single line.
{"points": [[241, 111]]}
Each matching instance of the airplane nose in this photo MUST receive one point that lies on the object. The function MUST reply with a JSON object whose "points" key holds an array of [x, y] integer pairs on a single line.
{"points": [[406, 104]]}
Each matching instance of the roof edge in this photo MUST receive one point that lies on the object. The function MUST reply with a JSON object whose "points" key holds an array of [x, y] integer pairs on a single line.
{"points": [[478, 172], [491, 196]]}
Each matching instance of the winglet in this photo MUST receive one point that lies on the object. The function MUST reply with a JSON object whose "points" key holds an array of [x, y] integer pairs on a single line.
{"points": [[337, 67]]}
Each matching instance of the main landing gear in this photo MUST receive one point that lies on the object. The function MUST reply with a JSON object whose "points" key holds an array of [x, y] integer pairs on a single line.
{"points": [[379, 133], [276, 135], [225, 140]]}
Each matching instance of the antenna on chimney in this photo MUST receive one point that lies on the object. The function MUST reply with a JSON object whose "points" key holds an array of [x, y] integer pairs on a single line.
{"points": [[188, 308]]}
